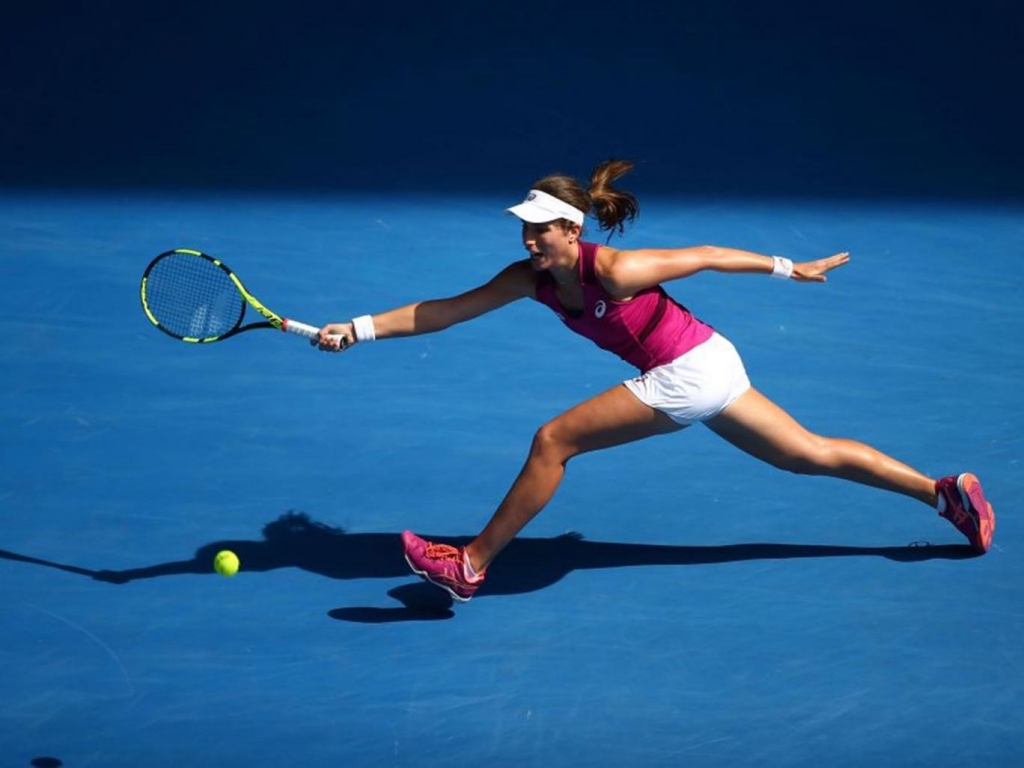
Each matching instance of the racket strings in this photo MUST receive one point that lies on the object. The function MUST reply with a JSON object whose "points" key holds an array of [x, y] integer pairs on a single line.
{"points": [[192, 297]]}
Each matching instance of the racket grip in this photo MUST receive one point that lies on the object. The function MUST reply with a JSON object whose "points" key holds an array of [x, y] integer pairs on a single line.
{"points": [[300, 329], [303, 330]]}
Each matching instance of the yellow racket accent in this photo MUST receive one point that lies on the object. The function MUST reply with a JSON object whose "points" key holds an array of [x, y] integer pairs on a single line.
{"points": [[275, 320], [145, 304]]}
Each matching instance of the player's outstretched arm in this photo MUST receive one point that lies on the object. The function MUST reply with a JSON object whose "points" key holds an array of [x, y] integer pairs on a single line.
{"points": [[512, 283], [625, 273]]}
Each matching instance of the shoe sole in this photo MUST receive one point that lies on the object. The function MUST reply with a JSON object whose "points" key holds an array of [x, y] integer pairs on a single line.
{"points": [[426, 577], [970, 488]]}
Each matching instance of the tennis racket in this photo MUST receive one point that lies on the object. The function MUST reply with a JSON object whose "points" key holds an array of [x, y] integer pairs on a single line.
{"points": [[197, 298]]}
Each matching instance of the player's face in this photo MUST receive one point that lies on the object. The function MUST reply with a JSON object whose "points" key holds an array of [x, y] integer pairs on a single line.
{"points": [[549, 244]]}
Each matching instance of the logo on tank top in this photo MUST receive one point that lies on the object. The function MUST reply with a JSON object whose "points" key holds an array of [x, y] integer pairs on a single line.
{"points": [[599, 309]]}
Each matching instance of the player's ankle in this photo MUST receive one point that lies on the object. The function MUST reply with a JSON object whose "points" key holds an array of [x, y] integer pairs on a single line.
{"points": [[473, 566]]}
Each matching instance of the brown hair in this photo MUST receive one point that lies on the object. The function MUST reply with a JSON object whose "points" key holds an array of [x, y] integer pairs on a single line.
{"points": [[612, 207]]}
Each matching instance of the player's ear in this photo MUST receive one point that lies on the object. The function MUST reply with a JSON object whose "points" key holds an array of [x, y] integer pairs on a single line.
{"points": [[574, 231]]}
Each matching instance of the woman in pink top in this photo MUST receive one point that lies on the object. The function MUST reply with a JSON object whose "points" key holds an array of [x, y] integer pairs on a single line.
{"points": [[688, 373]]}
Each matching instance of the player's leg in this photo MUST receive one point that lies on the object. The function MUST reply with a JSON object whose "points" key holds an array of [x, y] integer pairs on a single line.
{"points": [[761, 428], [614, 417]]}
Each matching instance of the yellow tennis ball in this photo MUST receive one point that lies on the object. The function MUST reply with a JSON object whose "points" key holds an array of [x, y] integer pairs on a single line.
{"points": [[226, 563]]}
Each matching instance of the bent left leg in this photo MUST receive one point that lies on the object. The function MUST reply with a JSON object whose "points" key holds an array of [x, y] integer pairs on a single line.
{"points": [[614, 417], [759, 427]]}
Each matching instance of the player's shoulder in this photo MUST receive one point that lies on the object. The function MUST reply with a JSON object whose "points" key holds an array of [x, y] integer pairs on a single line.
{"points": [[517, 278], [606, 258], [520, 270]]}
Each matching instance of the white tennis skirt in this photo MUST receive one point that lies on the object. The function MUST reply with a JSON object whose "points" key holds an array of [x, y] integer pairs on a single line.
{"points": [[697, 385]]}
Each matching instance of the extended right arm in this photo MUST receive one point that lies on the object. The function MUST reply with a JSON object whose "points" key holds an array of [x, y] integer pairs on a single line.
{"points": [[512, 283]]}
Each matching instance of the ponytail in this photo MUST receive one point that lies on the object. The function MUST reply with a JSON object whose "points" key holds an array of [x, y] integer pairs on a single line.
{"points": [[612, 207]]}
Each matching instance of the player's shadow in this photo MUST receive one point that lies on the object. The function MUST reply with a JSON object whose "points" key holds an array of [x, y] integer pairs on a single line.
{"points": [[527, 564]]}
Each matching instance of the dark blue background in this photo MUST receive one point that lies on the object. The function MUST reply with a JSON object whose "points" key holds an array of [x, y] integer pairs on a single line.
{"points": [[870, 98]]}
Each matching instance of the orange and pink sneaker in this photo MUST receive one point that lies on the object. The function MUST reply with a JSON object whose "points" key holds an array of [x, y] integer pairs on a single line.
{"points": [[442, 565], [967, 509]]}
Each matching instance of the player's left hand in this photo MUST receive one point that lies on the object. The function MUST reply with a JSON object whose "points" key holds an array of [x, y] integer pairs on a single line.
{"points": [[814, 271]]}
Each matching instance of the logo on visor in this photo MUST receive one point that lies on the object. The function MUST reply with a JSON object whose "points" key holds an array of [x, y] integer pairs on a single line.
{"points": [[599, 309], [531, 196]]}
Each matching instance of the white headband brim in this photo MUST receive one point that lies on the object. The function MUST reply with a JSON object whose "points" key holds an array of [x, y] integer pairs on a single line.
{"points": [[540, 207]]}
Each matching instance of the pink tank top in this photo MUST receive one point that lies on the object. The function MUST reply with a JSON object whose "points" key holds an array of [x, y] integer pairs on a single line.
{"points": [[649, 330]]}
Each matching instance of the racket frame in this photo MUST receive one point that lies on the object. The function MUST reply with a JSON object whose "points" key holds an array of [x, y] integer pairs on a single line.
{"points": [[273, 320]]}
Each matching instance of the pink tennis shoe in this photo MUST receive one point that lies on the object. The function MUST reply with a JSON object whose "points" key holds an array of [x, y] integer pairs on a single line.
{"points": [[442, 565], [967, 509]]}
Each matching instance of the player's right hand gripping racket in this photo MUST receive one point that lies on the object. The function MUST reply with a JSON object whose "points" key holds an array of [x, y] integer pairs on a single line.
{"points": [[197, 298]]}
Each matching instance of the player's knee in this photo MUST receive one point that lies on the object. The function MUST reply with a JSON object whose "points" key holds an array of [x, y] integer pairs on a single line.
{"points": [[550, 444], [814, 457]]}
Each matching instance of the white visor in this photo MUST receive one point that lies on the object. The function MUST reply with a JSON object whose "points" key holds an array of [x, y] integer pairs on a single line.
{"points": [[540, 207]]}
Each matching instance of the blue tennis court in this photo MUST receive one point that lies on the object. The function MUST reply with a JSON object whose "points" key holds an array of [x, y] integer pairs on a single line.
{"points": [[677, 603]]}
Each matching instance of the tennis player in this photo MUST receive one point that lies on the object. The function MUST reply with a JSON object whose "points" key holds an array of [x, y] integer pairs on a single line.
{"points": [[688, 373]]}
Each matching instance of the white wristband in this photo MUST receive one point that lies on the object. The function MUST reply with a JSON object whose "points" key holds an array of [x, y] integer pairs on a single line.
{"points": [[363, 328], [782, 269]]}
